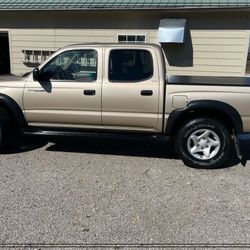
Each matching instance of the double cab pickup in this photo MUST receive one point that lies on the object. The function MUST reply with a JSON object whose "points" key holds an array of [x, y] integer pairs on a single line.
{"points": [[123, 89]]}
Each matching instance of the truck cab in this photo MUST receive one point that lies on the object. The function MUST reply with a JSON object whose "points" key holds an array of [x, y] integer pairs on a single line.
{"points": [[114, 87]]}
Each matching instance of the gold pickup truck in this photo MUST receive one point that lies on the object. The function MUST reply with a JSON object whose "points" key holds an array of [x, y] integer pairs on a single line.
{"points": [[123, 89]]}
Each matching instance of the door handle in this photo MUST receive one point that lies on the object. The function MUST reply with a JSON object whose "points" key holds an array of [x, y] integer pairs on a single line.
{"points": [[89, 92], [147, 92]]}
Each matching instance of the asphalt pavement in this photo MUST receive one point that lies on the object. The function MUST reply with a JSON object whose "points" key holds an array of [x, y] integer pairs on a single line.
{"points": [[109, 191]]}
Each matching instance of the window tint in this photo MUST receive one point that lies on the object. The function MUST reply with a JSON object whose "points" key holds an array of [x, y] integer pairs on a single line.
{"points": [[76, 65], [130, 65]]}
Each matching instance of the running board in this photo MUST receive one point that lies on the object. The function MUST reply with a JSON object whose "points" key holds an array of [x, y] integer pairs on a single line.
{"points": [[114, 135]]}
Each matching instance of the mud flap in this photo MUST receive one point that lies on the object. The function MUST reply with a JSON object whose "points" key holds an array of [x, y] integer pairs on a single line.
{"points": [[240, 156]]}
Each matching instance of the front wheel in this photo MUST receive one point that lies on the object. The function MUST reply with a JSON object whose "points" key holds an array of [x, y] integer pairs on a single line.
{"points": [[203, 143], [9, 132]]}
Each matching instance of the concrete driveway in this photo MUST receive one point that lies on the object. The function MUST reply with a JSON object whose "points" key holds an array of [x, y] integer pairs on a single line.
{"points": [[107, 191]]}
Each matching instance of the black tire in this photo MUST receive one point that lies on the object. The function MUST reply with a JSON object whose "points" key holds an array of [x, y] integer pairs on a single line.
{"points": [[188, 141], [8, 130]]}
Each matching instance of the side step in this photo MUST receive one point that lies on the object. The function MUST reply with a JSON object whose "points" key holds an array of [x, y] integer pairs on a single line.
{"points": [[94, 134]]}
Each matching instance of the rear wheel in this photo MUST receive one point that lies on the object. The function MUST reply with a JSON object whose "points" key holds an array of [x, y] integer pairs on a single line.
{"points": [[203, 143]]}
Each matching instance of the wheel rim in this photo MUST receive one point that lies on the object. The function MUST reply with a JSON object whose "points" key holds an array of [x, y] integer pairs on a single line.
{"points": [[203, 144]]}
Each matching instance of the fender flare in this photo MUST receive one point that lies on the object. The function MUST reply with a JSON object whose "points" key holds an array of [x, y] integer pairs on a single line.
{"points": [[14, 108], [200, 105]]}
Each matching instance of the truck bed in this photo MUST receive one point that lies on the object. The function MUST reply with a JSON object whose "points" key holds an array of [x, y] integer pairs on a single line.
{"points": [[207, 80]]}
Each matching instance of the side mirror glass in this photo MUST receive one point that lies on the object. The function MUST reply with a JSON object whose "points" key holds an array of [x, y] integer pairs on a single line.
{"points": [[46, 76], [41, 75], [36, 74]]}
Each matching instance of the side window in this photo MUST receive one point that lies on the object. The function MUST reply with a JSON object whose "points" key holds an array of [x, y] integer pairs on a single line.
{"points": [[130, 65], [76, 65]]}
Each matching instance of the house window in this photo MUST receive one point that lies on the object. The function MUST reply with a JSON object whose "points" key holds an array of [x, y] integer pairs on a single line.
{"points": [[33, 58], [131, 38]]}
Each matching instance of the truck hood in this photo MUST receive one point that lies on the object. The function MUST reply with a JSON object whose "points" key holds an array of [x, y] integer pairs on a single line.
{"points": [[12, 81]]}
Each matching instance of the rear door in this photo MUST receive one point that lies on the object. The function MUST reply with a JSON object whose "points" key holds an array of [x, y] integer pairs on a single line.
{"points": [[130, 91]]}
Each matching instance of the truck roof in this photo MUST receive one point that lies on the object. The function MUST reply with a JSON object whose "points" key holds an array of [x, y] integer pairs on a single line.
{"points": [[137, 45]]}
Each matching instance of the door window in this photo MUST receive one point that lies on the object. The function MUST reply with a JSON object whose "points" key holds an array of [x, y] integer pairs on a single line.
{"points": [[130, 65], [76, 65]]}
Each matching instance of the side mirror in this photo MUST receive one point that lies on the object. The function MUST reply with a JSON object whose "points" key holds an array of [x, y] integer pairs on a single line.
{"points": [[46, 76], [36, 74]]}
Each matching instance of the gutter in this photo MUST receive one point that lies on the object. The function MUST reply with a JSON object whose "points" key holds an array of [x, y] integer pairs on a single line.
{"points": [[171, 9]]}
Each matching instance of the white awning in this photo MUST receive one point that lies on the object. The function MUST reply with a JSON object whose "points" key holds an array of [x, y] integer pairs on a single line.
{"points": [[172, 30]]}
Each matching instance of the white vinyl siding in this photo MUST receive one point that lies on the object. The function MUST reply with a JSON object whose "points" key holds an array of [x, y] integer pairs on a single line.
{"points": [[215, 53], [50, 40], [29, 39]]}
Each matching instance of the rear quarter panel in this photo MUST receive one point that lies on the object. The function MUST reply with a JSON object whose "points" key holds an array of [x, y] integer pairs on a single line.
{"points": [[238, 97]]}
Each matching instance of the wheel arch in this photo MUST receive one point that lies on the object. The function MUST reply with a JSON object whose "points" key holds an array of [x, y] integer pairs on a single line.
{"points": [[211, 108], [14, 109]]}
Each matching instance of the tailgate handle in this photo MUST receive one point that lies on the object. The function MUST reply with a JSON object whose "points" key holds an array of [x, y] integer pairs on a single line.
{"points": [[89, 92], [147, 92]]}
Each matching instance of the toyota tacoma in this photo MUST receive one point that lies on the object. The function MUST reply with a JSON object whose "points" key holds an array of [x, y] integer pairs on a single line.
{"points": [[123, 89]]}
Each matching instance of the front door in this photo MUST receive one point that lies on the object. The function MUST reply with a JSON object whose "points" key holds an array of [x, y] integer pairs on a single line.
{"points": [[72, 95], [130, 99]]}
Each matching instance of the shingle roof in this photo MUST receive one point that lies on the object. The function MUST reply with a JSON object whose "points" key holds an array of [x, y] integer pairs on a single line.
{"points": [[118, 4]]}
